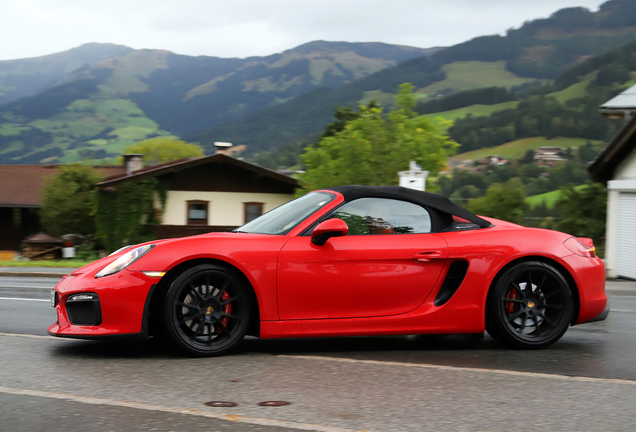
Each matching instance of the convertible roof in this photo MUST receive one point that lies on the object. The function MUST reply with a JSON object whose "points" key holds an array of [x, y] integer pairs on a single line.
{"points": [[427, 199]]}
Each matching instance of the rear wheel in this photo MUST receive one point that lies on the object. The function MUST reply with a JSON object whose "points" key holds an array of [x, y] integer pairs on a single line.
{"points": [[206, 311], [530, 307]]}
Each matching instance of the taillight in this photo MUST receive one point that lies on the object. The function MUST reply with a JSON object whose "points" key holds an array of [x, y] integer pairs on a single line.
{"points": [[581, 246]]}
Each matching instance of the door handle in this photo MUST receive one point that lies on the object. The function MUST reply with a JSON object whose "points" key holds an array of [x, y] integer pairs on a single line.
{"points": [[427, 256]]}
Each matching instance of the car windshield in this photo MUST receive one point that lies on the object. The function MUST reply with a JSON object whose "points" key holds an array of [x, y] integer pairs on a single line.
{"points": [[283, 219]]}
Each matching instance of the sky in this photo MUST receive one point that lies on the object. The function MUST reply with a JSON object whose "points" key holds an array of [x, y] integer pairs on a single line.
{"points": [[243, 28]]}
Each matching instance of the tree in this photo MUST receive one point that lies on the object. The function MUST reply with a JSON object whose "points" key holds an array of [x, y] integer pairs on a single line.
{"points": [[164, 149], [66, 204], [583, 211], [372, 148], [505, 201]]}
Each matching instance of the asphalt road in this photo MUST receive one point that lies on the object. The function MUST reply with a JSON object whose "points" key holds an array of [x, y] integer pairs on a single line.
{"points": [[585, 382]]}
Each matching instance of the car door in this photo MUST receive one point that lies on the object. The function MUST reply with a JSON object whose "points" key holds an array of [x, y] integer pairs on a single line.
{"points": [[386, 265]]}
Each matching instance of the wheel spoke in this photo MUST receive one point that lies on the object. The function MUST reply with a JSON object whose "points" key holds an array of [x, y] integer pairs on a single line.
{"points": [[530, 279], [188, 305], [549, 321], [189, 317], [218, 296], [506, 299], [542, 282], [220, 322], [209, 333], [230, 300], [553, 306], [197, 293], [536, 324], [200, 329], [552, 294], [516, 315], [208, 286], [518, 289], [234, 317]]}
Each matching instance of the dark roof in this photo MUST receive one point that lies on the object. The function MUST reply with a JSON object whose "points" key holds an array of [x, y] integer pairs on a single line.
{"points": [[41, 238], [182, 164], [21, 185], [602, 169], [426, 199]]}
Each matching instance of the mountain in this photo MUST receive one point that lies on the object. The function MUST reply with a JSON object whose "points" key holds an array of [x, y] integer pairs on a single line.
{"points": [[532, 55], [26, 77], [96, 110]]}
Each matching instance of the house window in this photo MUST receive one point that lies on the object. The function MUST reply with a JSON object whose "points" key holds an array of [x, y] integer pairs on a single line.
{"points": [[197, 212], [252, 210]]}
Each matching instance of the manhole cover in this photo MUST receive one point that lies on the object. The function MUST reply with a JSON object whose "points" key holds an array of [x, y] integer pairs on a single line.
{"points": [[220, 404], [274, 403]]}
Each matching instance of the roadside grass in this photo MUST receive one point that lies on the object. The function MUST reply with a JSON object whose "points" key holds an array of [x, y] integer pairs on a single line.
{"points": [[516, 149], [45, 263], [550, 198], [471, 75]]}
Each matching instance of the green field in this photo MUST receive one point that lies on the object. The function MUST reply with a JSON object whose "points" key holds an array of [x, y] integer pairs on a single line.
{"points": [[574, 91], [471, 75], [550, 198], [516, 149], [88, 125], [475, 110]]}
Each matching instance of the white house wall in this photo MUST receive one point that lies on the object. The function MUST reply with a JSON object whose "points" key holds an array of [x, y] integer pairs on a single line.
{"points": [[224, 208], [619, 192]]}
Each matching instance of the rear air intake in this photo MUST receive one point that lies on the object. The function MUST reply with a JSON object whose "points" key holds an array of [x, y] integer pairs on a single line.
{"points": [[454, 278]]}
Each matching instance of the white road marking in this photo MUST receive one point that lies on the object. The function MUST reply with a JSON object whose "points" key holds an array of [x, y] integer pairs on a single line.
{"points": [[24, 299], [50, 287], [27, 336], [468, 369], [148, 407], [622, 311]]}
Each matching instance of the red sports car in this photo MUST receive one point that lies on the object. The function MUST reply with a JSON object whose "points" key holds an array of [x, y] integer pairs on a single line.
{"points": [[345, 261]]}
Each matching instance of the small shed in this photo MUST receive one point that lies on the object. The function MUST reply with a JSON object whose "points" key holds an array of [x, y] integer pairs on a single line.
{"points": [[41, 246]]}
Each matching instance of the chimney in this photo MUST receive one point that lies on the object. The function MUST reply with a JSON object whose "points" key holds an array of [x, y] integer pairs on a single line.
{"points": [[133, 162], [222, 147]]}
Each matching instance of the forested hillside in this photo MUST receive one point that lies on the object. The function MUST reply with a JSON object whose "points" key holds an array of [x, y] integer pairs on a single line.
{"points": [[97, 110], [26, 77], [525, 58]]}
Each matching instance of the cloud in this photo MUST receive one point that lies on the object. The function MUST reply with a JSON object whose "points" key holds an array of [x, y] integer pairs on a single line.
{"points": [[242, 28]]}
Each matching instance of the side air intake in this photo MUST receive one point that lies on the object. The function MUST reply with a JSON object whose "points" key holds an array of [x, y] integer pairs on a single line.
{"points": [[454, 278]]}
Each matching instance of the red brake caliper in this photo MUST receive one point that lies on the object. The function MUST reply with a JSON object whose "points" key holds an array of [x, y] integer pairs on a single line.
{"points": [[227, 309], [510, 306]]}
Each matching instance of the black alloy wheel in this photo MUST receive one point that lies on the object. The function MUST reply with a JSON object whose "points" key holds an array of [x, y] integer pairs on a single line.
{"points": [[530, 307], [206, 311]]}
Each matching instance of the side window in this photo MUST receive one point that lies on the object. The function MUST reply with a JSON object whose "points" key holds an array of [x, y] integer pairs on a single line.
{"points": [[384, 216]]}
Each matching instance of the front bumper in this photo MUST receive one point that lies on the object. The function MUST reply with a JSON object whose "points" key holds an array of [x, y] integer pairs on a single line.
{"points": [[121, 302], [589, 275]]}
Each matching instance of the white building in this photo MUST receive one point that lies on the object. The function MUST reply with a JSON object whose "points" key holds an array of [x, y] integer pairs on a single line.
{"points": [[616, 166]]}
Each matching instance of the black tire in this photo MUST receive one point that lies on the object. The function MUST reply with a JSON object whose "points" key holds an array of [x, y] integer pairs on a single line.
{"points": [[206, 311], [530, 307]]}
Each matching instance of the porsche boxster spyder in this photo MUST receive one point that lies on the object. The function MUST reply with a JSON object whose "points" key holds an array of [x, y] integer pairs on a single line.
{"points": [[345, 261]]}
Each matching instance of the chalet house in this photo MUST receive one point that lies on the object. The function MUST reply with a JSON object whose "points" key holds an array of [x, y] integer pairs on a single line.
{"points": [[210, 193], [21, 197], [616, 167], [548, 155]]}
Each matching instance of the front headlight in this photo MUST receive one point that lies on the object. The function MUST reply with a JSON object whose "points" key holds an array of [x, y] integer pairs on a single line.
{"points": [[124, 261]]}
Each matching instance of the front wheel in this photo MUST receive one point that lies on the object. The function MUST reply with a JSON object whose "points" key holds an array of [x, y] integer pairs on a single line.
{"points": [[530, 307], [206, 311]]}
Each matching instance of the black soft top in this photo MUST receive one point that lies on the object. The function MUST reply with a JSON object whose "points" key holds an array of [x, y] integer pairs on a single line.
{"points": [[425, 199]]}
